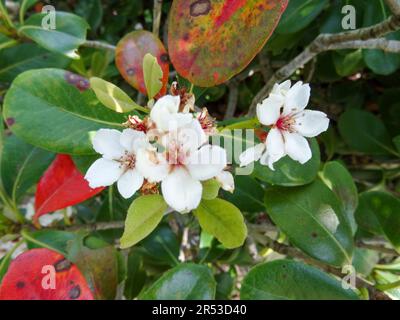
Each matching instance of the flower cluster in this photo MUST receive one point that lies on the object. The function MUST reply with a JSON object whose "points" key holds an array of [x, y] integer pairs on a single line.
{"points": [[169, 148], [290, 124]]}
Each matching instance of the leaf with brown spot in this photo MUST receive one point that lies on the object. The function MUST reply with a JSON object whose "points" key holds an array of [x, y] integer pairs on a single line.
{"points": [[24, 278], [129, 56], [210, 41]]}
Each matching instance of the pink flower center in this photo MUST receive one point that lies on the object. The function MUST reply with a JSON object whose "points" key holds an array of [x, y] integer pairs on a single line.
{"points": [[285, 123], [128, 161]]}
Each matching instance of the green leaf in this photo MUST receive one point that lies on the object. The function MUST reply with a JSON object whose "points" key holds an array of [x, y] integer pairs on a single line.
{"points": [[6, 42], [340, 181], [379, 213], [299, 14], [210, 189], [144, 215], [162, 245], [48, 111], [91, 11], [113, 97], [348, 62], [184, 282], [51, 239], [153, 75], [22, 165], [248, 195], [291, 280], [27, 56], [396, 141], [223, 220], [68, 35], [366, 133], [313, 219], [289, 172], [379, 61], [136, 275]]}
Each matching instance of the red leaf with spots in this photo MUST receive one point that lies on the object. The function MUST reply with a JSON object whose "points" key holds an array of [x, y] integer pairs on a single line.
{"points": [[61, 186], [32, 273], [129, 55], [210, 41]]}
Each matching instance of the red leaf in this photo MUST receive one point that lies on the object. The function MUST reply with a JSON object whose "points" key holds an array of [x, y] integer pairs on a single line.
{"points": [[129, 55], [210, 41], [61, 186], [31, 270]]}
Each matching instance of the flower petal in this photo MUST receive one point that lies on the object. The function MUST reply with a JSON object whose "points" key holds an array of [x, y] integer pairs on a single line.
{"points": [[103, 173], [225, 178], [297, 147], [269, 111], [163, 109], [207, 162], [129, 183], [297, 98], [152, 165], [282, 88], [251, 155], [181, 191], [275, 148], [310, 123], [132, 140], [107, 143]]}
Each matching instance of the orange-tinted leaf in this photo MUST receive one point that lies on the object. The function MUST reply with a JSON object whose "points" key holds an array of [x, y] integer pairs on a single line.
{"points": [[210, 41], [61, 186], [130, 52], [29, 278]]}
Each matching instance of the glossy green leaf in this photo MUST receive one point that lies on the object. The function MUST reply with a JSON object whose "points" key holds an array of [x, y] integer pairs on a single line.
{"points": [[51, 239], [348, 62], [91, 11], [379, 61], [313, 219], [136, 275], [366, 133], [162, 245], [299, 14], [248, 195], [47, 110], [68, 35], [340, 181], [113, 97], [223, 220], [144, 215], [289, 172], [27, 56], [291, 280], [379, 213], [22, 165], [184, 282], [152, 74], [210, 41]]}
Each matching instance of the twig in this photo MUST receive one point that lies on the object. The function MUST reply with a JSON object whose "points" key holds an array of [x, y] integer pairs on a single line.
{"points": [[157, 11], [394, 6], [379, 248], [99, 45], [232, 99], [98, 226], [325, 42]]}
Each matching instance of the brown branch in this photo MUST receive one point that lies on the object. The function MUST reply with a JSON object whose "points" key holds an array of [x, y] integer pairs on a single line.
{"points": [[157, 11], [326, 42], [233, 98], [98, 45], [394, 6]]}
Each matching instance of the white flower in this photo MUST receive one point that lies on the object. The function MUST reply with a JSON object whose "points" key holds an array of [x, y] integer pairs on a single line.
{"points": [[119, 160], [165, 114], [185, 161], [284, 111]]}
